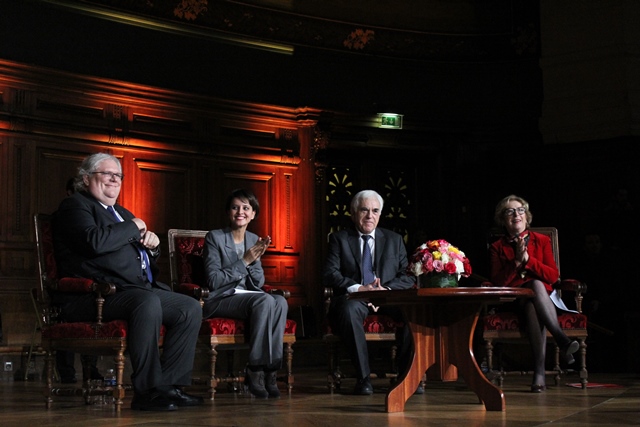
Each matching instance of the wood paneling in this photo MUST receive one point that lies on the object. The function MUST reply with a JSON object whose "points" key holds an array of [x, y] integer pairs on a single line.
{"points": [[181, 156]]}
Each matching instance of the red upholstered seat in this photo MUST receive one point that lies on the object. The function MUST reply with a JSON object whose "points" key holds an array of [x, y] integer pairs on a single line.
{"points": [[225, 326], [188, 276], [88, 331], [510, 322]]}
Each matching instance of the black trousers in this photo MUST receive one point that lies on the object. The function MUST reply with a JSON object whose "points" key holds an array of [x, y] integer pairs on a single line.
{"points": [[145, 310], [347, 317]]}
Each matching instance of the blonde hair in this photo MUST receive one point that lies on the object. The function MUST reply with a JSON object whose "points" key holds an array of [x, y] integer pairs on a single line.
{"points": [[501, 207]]}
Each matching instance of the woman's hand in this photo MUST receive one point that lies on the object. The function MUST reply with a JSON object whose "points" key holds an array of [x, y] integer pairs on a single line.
{"points": [[522, 256], [257, 250]]}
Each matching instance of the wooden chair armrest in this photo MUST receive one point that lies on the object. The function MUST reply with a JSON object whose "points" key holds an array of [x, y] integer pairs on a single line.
{"points": [[103, 288], [577, 287], [282, 292], [571, 285], [192, 290]]}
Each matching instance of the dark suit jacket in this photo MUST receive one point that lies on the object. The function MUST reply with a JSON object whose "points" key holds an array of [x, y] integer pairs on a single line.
{"points": [[344, 258], [90, 242], [541, 264], [224, 269]]}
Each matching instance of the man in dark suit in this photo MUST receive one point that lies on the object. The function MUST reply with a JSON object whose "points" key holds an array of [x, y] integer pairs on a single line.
{"points": [[96, 238], [346, 272]]}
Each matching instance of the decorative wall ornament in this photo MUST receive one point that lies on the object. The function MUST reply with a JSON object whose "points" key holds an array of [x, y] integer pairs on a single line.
{"points": [[190, 9]]}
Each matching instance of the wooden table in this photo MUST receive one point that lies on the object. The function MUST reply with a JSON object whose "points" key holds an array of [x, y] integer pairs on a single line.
{"points": [[442, 323]]}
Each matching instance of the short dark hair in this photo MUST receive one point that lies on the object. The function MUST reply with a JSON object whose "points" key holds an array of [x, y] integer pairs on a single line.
{"points": [[245, 196]]}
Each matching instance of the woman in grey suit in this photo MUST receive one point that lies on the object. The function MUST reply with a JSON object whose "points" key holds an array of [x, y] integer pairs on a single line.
{"points": [[235, 279]]}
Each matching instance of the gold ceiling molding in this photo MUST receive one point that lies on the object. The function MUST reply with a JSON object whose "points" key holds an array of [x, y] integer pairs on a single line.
{"points": [[453, 30], [124, 16]]}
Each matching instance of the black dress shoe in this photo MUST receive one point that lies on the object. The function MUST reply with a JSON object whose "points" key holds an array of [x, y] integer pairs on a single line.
{"points": [[152, 401], [538, 388], [419, 389], [254, 381], [363, 387], [181, 398], [271, 384]]}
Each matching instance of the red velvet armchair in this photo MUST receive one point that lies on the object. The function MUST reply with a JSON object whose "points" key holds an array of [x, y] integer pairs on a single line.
{"points": [[504, 327], [187, 274], [96, 338]]}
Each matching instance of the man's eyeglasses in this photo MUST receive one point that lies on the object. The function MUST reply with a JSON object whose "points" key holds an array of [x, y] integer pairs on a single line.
{"points": [[111, 175], [512, 211]]}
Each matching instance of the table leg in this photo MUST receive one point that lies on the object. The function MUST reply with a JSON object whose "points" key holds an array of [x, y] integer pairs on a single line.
{"points": [[461, 355], [423, 358]]}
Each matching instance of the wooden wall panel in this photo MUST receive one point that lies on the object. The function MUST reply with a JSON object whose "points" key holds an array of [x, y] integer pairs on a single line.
{"points": [[160, 193], [181, 156], [53, 169]]}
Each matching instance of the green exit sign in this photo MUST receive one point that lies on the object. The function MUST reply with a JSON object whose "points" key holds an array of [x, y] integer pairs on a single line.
{"points": [[390, 121]]}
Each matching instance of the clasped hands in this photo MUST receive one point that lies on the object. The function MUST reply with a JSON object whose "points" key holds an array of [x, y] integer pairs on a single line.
{"points": [[257, 250], [148, 239], [522, 256], [373, 286]]}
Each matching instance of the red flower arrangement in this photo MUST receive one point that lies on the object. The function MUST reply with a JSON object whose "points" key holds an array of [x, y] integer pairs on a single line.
{"points": [[439, 256]]}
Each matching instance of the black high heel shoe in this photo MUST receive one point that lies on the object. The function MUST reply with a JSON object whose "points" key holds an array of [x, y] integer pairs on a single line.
{"points": [[567, 351]]}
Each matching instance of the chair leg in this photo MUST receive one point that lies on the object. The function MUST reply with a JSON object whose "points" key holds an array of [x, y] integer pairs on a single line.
{"points": [[213, 381], [30, 352], [48, 363], [333, 378], [394, 358], [118, 391], [584, 374], [492, 374], [556, 368], [288, 351]]}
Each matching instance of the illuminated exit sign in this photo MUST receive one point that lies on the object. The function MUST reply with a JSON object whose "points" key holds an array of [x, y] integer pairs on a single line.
{"points": [[390, 121]]}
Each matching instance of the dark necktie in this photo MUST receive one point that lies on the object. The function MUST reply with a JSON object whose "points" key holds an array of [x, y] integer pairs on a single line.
{"points": [[146, 266], [367, 264]]}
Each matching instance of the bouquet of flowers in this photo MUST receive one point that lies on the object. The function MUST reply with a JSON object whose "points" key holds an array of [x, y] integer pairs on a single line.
{"points": [[439, 258]]}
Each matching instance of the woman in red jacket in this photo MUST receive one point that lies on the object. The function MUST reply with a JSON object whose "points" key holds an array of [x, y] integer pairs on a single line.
{"points": [[525, 258]]}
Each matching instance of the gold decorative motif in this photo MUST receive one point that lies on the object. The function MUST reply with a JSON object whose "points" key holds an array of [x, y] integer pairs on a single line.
{"points": [[359, 38], [190, 9]]}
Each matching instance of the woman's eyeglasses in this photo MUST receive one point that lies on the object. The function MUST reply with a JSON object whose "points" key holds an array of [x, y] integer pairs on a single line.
{"points": [[512, 211]]}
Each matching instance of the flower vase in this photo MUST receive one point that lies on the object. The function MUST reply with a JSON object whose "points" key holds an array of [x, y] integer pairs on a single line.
{"points": [[438, 280]]}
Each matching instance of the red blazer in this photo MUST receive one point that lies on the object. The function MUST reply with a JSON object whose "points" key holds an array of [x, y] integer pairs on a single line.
{"points": [[541, 264]]}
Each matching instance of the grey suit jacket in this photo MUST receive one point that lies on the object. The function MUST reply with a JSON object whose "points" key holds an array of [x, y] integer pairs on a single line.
{"points": [[224, 269], [344, 258]]}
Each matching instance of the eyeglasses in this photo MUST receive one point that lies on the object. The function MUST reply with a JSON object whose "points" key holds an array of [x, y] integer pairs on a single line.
{"points": [[512, 211], [111, 175]]}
